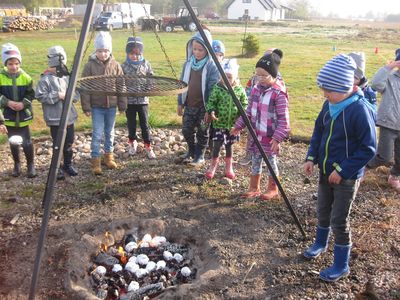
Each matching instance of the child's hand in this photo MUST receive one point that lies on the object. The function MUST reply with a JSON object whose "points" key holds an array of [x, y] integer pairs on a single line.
{"points": [[17, 106], [334, 178], [275, 146], [61, 95], [234, 131], [308, 168], [87, 113], [179, 110], [3, 129], [213, 117]]}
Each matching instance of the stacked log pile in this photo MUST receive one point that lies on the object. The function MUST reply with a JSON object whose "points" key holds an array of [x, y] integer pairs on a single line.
{"points": [[27, 24]]}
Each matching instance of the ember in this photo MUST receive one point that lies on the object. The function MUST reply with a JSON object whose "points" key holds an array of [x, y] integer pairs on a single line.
{"points": [[133, 269]]}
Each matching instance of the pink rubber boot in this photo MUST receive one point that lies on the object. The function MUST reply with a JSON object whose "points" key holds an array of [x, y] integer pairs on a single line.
{"points": [[213, 167], [228, 168]]}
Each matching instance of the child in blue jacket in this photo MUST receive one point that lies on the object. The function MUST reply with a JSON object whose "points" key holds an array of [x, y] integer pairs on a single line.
{"points": [[343, 142]]}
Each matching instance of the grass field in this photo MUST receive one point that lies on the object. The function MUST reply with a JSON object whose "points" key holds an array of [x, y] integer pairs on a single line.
{"points": [[306, 48]]}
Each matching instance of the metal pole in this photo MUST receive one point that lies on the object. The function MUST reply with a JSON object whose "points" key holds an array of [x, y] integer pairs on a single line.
{"points": [[59, 144], [244, 116]]}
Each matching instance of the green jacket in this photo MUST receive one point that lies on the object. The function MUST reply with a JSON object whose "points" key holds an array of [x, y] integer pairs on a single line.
{"points": [[18, 88], [221, 102]]}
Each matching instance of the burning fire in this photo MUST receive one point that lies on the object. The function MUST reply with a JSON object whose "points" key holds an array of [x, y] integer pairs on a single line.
{"points": [[107, 241], [122, 253]]}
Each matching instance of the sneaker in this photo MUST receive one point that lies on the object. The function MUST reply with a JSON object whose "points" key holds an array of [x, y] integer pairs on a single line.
{"points": [[394, 182], [149, 152], [245, 160], [132, 147]]}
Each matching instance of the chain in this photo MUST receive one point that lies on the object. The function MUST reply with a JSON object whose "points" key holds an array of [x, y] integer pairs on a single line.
{"points": [[131, 16], [159, 41]]}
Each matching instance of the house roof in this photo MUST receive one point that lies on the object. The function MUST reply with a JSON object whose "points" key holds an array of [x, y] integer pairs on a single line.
{"points": [[12, 6], [267, 4]]}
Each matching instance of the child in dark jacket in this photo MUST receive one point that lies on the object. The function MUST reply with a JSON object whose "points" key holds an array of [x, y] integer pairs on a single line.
{"points": [[223, 113], [50, 91], [102, 108], [16, 95], [201, 74], [136, 64], [342, 143]]}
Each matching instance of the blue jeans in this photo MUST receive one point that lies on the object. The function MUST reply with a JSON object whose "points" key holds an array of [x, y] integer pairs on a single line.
{"points": [[256, 164], [103, 121], [334, 205]]}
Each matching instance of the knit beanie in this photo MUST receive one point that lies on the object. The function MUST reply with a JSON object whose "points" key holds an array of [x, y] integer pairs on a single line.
{"points": [[338, 74], [231, 66], [359, 58], [56, 56], [134, 42], [274, 50], [10, 51], [103, 41], [397, 54], [218, 47], [270, 63]]}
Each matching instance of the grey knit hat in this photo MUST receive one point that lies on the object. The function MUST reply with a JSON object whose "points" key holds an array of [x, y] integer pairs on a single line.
{"points": [[55, 56], [359, 58]]}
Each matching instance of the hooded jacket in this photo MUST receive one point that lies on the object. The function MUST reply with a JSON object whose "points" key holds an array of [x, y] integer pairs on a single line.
{"points": [[387, 82], [47, 91], [16, 87], [210, 74], [345, 144], [94, 67], [141, 69]]}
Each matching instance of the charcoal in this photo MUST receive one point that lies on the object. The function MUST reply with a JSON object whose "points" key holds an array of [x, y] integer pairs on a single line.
{"points": [[106, 260], [130, 238], [101, 294], [148, 290], [176, 248], [97, 278]]}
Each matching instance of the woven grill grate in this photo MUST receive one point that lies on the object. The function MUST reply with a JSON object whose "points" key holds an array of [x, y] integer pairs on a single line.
{"points": [[130, 85]]}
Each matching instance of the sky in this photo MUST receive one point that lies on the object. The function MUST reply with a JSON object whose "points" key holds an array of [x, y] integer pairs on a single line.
{"points": [[345, 8]]}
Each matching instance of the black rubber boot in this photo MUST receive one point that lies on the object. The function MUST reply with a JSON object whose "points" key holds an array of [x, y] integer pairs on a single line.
{"points": [[198, 157], [29, 154], [60, 174], [17, 165], [68, 168], [190, 154]]}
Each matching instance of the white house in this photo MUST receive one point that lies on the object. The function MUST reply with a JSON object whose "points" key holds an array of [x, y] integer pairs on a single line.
{"points": [[264, 10]]}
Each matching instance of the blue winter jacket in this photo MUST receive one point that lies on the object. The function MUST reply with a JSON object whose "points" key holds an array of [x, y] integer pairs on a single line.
{"points": [[345, 144]]}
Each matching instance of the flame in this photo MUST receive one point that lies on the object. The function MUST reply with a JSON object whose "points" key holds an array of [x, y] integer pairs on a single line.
{"points": [[106, 241], [122, 253]]}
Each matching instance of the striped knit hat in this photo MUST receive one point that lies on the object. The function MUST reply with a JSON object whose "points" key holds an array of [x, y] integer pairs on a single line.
{"points": [[338, 74]]}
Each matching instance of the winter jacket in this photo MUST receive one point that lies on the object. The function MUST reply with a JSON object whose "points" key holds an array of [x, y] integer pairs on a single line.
{"points": [[47, 91], [345, 144], [16, 87], [387, 82], [221, 102], [268, 111], [94, 67], [210, 74], [141, 69]]}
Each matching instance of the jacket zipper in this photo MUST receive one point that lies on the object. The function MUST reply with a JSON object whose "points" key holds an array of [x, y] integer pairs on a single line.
{"points": [[326, 147], [15, 96]]}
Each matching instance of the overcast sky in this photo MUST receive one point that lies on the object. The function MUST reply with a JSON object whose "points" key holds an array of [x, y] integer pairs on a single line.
{"points": [[345, 8]]}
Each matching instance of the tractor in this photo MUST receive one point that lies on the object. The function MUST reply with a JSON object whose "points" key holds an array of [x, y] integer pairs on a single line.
{"points": [[182, 19]]}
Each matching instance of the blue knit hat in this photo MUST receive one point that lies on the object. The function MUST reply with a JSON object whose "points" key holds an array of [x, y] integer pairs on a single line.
{"points": [[397, 54], [218, 46], [338, 74], [134, 42]]}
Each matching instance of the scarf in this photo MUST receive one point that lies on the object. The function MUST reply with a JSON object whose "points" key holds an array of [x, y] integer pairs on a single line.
{"points": [[198, 64], [336, 109]]}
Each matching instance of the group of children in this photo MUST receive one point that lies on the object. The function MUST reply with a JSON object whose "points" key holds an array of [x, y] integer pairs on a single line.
{"points": [[342, 144]]}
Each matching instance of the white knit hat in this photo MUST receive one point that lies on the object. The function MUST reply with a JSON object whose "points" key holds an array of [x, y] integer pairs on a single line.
{"points": [[103, 41], [231, 66], [10, 51], [56, 54]]}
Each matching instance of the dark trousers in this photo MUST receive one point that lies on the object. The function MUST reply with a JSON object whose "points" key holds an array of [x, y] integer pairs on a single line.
{"points": [[69, 141], [143, 111], [194, 129], [217, 148], [27, 145]]}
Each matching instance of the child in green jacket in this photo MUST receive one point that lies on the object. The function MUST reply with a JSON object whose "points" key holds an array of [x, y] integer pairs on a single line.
{"points": [[223, 114]]}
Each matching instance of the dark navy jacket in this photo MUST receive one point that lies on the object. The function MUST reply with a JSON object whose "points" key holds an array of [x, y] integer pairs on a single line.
{"points": [[345, 144]]}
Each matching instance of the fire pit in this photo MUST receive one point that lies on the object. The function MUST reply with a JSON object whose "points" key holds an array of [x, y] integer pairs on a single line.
{"points": [[138, 261]]}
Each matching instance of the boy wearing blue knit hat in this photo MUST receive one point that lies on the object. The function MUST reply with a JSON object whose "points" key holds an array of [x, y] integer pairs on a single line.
{"points": [[135, 64], [343, 142]]}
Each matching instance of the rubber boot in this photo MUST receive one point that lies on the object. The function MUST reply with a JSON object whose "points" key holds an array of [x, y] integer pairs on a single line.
{"points": [[213, 167], [320, 244], [109, 161], [340, 267], [254, 189], [198, 157], [272, 191], [68, 168], [60, 174], [17, 164], [228, 168], [96, 166], [29, 155], [188, 155]]}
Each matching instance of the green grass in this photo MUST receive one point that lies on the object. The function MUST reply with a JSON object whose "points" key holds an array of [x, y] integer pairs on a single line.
{"points": [[306, 49]]}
